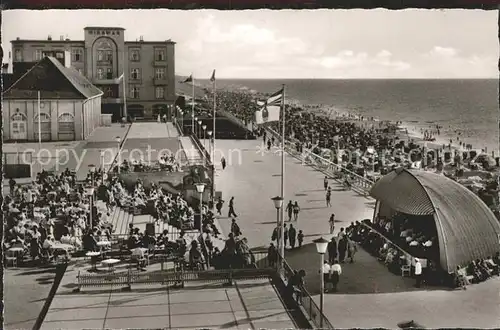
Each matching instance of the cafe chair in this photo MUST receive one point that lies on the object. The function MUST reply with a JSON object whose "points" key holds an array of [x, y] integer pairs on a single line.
{"points": [[406, 270]]}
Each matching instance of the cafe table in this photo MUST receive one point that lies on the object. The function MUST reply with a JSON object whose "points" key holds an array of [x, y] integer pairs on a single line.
{"points": [[110, 263]]}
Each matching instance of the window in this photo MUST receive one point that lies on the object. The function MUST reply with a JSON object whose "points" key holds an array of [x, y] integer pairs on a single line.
{"points": [[100, 73], [109, 73], [108, 91], [77, 54], [100, 55], [109, 56], [18, 55], [135, 74], [159, 55], [135, 55], [160, 73], [38, 55], [160, 92], [59, 55], [134, 92]]}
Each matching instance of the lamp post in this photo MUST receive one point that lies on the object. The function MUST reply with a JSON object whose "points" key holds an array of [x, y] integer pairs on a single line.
{"points": [[321, 245], [182, 120], [194, 125], [89, 191], [200, 187], [199, 129], [192, 122], [204, 127], [210, 145], [101, 153], [278, 204], [118, 156]]}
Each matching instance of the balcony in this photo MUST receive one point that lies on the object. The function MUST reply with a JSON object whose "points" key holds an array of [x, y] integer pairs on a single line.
{"points": [[157, 62], [111, 100], [160, 81], [106, 80]]}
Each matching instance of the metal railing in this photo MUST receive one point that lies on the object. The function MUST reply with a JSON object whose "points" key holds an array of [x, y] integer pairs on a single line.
{"points": [[306, 301], [335, 171], [204, 153]]}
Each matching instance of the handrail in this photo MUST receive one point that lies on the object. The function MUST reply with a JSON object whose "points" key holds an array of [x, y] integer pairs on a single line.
{"points": [[308, 304], [326, 166], [206, 156]]}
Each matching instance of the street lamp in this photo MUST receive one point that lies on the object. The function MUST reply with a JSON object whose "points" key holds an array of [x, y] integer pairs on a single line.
{"points": [[199, 129], [192, 121], [200, 187], [92, 171], [278, 204], [89, 191], [118, 157], [194, 125], [101, 152], [321, 246]]}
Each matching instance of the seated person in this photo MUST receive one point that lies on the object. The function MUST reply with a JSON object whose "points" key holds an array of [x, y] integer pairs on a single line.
{"points": [[492, 266], [195, 255], [139, 256], [485, 271], [461, 279]]}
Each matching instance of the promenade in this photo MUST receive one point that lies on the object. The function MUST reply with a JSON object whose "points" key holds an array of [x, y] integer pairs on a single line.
{"points": [[248, 304], [369, 295]]}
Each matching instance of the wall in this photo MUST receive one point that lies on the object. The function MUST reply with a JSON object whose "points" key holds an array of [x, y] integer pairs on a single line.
{"points": [[91, 116], [54, 108]]}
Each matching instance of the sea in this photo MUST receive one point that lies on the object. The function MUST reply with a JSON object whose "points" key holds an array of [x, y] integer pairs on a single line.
{"points": [[465, 108]]}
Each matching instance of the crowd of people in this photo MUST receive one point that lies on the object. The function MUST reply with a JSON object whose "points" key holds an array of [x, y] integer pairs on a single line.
{"points": [[166, 163], [50, 217]]}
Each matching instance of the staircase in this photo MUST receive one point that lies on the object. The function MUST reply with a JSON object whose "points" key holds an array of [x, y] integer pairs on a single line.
{"points": [[193, 154], [120, 218]]}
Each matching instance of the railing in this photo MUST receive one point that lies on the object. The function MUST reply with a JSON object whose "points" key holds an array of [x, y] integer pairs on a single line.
{"points": [[204, 153], [307, 303], [335, 171], [179, 128], [165, 277]]}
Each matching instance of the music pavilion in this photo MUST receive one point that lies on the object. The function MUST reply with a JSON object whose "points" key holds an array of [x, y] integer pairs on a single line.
{"points": [[463, 227]]}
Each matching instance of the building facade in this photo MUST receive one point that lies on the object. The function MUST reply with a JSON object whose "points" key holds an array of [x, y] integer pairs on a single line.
{"points": [[69, 107], [141, 71]]}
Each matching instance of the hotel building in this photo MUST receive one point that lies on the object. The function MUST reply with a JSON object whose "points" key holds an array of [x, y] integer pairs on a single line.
{"points": [[148, 68]]}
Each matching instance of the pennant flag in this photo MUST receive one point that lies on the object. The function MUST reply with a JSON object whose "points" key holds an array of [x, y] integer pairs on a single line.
{"points": [[212, 79], [270, 109], [189, 79]]}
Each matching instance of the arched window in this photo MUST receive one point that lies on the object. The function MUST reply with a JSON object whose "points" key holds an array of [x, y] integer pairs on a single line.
{"points": [[66, 118], [44, 117], [18, 117]]}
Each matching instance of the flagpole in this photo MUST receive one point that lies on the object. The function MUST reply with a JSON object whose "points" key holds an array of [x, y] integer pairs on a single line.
{"points": [[192, 105], [213, 146], [282, 227], [124, 89], [39, 124]]}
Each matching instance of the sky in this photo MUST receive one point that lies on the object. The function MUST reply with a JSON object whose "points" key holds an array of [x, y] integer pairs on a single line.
{"points": [[308, 44]]}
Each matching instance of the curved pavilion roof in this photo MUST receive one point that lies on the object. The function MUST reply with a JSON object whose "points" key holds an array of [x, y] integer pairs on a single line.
{"points": [[467, 229]]}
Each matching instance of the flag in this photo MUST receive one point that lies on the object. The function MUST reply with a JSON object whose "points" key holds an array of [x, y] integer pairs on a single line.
{"points": [[212, 79], [188, 79], [269, 109]]}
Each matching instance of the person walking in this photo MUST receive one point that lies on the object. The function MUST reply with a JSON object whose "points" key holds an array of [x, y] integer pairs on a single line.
{"points": [[268, 144], [328, 197], [418, 273], [332, 250], [292, 234], [235, 229], [289, 209], [300, 238], [285, 235], [231, 209], [296, 210], [218, 205], [223, 163], [325, 182], [351, 249], [335, 272], [342, 247], [272, 255], [331, 222], [325, 270]]}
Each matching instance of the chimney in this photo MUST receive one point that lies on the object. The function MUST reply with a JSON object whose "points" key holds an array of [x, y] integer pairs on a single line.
{"points": [[17, 38], [141, 38], [61, 38], [49, 37]]}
